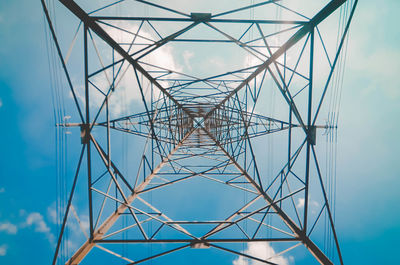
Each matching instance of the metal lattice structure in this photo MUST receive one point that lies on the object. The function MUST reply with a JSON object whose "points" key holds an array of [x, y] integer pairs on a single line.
{"points": [[201, 135]]}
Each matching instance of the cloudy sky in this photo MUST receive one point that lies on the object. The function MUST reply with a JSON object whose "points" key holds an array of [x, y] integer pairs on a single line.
{"points": [[367, 216]]}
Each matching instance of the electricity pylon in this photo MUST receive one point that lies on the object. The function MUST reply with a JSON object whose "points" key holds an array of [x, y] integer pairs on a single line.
{"points": [[201, 136]]}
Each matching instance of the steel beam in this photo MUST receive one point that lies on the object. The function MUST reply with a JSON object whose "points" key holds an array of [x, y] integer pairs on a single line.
{"points": [[214, 240], [211, 20]]}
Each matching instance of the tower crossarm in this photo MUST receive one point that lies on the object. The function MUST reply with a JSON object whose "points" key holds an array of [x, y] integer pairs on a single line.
{"points": [[230, 125], [178, 123], [169, 123]]}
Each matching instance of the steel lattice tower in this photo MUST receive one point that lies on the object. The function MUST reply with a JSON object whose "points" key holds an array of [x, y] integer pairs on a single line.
{"points": [[198, 136]]}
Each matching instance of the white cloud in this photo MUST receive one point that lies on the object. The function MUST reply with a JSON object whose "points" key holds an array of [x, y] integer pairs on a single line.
{"points": [[79, 228], [72, 245], [9, 228], [52, 213], [2, 190], [36, 220], [1, 103], [381, 66], [219, 63], [300, 202], [3, 250], [375, 66], [127, 91], [250, 61], [261, 250], [313, 205], [85, 223], [187, 55], [81, 224]]}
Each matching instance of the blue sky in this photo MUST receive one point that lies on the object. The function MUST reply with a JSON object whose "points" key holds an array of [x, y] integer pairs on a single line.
{"points": [[368, 220]]}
